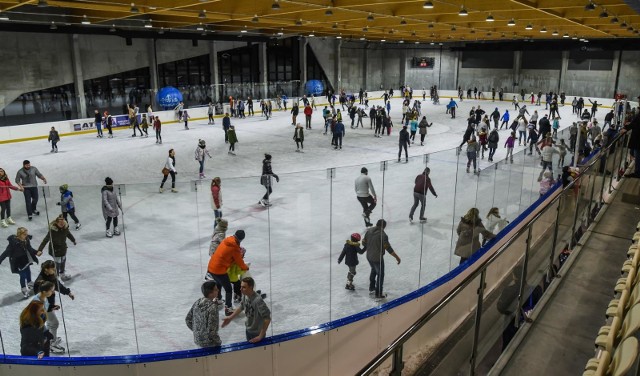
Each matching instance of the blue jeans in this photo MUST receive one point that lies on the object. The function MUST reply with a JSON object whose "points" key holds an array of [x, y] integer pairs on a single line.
{"points": [[217, 213], [376, 278], [25, 276], [201, 165]]}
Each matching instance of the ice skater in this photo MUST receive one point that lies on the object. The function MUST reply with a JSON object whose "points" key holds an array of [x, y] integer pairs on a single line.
{"points": [[170, 169], [219, 233], [201, 155], [21, 256], [67, 204], [57, 235], [469, 230], [27, 179], [185, 119], [202, 319], [495, 223], [145, 126], [298, 136], [54, 137], [108, 123], [509, 144], [157, 126], [404, 142], [377, 244], [227, 253], [472, 153], [111, 207], [5, 199], [232, 138], [216, 197], [266, 179], [349, 254], [97, 121], [363, 186], [420, 188]]}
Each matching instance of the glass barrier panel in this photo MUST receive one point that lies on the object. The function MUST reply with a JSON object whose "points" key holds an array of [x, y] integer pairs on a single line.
{"points": [[514, 194], [464, 201], [485, 195]]}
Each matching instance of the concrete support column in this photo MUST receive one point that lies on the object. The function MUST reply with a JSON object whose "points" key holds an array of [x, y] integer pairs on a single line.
{"points": [[365, 67], [153, 73], [517, 62], [213, 69], [617, 59], [457, 70], [403, 68], [262, 63], [78, 77], [563, 70], [303, 60], [338, 66]]}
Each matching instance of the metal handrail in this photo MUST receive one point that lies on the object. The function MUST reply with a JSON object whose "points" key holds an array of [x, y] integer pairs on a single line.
{"points": [[427, 316]]}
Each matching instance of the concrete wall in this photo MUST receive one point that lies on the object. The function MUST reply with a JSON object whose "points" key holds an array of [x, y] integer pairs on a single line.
{"points": [[535, 80], [630, 74], [485, 79]]}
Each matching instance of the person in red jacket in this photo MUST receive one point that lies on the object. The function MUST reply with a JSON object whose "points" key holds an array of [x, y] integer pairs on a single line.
{"points": [[422, 185], [227, 253], [307, 114], [216, 196], [5, 199]]}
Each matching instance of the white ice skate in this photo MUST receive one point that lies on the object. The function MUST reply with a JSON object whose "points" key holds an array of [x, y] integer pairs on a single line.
{"points": [[78, 225], [116, 231], [25, 292], [11, 221], [4, 224], [264, 203], [109, 234]]}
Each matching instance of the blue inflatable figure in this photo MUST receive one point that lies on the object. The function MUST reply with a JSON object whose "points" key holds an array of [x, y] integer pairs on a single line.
{"points": [[314, 87], [168, 97]]}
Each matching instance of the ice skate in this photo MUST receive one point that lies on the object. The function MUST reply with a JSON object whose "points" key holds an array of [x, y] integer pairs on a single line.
{"points": [[228, 311], [36, 212], [51, 151], [11, 221], [201, 176], [109, 234], [264, 203], [116, 231], [160, 142], [423, 220], [173, 190], [161, 190], [57, 349], [236, 298], [65, 277], [380, 297], [4, 224], [78, 225], [25, 292], [410, 219], [467, 169], [350, 286]]}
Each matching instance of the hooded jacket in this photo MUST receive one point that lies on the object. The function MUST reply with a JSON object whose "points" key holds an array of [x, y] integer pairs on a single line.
{"points": [[219, 233], [203, 320], [66, 201], [110, 202], [469, 237], [20, 254], [5, 186], [57, 239], [227, 253], [350, 253]]}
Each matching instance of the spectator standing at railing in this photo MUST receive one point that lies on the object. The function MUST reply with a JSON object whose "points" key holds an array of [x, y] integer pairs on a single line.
{"points": [[255, 309], [203, 319], [376, 242], [469, 230], [634, 142]]}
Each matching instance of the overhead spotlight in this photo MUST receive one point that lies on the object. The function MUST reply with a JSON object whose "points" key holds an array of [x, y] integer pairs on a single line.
{"points": [[365, 29], [202, 14], [574, 37], [255, 19], [370, 17], [511, 22], [112, 29], [42, 4], [312, 34], [148, 24], [400, 41], [604, 14], [53, 26], [430, 25], [403, 22], [432, 43], [623, 24], [383, 40], [134, 8], [543, 30], [275, 5], [630, 28], [565, 35], [244, 30], [335, 25], [280, 32], [528, 27], [472, 31], [413, 33], [490, 18], [161, 31], [463, 11], [4, 16], [299, 22], [200, 27], [590, 6], [339, 36], [555, 33], [586, 41], [614, 19], [85, 20], [428, 5], [453, 28], [363, 38], [417, 42], [328, 12]]}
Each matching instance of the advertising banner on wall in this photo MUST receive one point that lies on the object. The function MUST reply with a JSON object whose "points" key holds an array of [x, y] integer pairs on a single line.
{"points": [[118, 121]]}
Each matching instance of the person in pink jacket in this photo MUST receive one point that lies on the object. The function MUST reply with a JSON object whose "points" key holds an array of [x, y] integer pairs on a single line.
{"points": [[509, 145], [216, 196], [5, 199]]}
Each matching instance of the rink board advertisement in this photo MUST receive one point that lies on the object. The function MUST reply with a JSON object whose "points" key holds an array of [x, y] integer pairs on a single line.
{"points": [[118, 121]]}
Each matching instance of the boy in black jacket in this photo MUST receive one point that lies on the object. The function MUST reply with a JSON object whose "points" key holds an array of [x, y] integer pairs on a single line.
{"points": [[350, 254]]}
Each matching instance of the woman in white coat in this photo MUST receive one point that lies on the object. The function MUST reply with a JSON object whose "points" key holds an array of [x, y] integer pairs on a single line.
{"points": [[170, 169]]}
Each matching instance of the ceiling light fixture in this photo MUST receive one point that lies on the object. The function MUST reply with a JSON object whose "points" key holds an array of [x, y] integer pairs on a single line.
{"points": [[430, 25], [490, 18], [528, 27], [275, 5], [339, 36], [590, 6], [604, 14], [555, 33], [453, 28], [312, 34], [623, 24], [365, 29], [280, 32], [472, 31], [574, 37], [543, 30], [161, 31], [85, 20], [413, 33], [403, 22], [417, 42], [511, 22], [4, 16], [614, 19], [134, 8], [335, 25], [42, 4], [255, 19], [53, 26], [463, 11], [148, 24], [428, 5], [383, 40], [630, 28], [400, 41], [565, 35], [299, 22], [202, 14], [432, 43], [112, 29], [200, 27], [244, 30], [328, 12], [370, 17], [363, 38]]}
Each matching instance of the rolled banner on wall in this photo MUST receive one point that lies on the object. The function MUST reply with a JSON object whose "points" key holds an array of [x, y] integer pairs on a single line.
{"points": [[168, 97]]}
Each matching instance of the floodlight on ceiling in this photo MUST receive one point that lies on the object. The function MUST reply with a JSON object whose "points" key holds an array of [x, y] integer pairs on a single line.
{"points": [[463, 11], [614, 19], [365, 29], [275, 5], [630, 28], [383, 40], [255, 19], [370, 17], [432, 43], [604, 14], [511, 22], [403, 22], [161, 31], [490, 18], [312, 34], [623, 24], [555, 33], [200, 27], [134, 8], [4, 16], [363, 38], [428, 5], [574, 37], [85, 20], [565, 35], [339, 36], [244, 30], [335, 26], [453, 28], [430, 25], [589, 7], [413, 33], [528, 27], [281, 32], [112, 29], [417, 42], [42, 4], [53, 26], [328, 12], [543, 30], [472, 31], [299, 22], [202, 14], [400, 41], [148, 24]]}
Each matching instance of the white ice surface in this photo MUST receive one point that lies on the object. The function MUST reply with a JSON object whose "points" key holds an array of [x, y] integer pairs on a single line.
{"points": [[293, 247]]}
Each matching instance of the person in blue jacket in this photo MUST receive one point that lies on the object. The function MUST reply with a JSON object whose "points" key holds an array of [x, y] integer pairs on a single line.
{"points": [[451, 108], [338, 133], [284, 101], [505, 120]]}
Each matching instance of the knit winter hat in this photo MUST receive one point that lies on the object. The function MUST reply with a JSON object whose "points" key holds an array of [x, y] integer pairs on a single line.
{"points": [[108, 181], [201, 143], [239, 234], [64, 187]]}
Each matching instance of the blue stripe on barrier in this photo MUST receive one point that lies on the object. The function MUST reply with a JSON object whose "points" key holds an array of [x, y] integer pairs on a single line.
{"points": [[197, 353]]}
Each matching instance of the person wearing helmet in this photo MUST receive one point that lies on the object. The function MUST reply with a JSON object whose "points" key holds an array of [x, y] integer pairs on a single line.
{"points": [[350, 256]]}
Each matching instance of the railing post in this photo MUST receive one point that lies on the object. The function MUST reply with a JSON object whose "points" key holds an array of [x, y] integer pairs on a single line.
{"points": [[523, 280], [396, 363], [476, 331], [616, 166], [554, 243]]}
